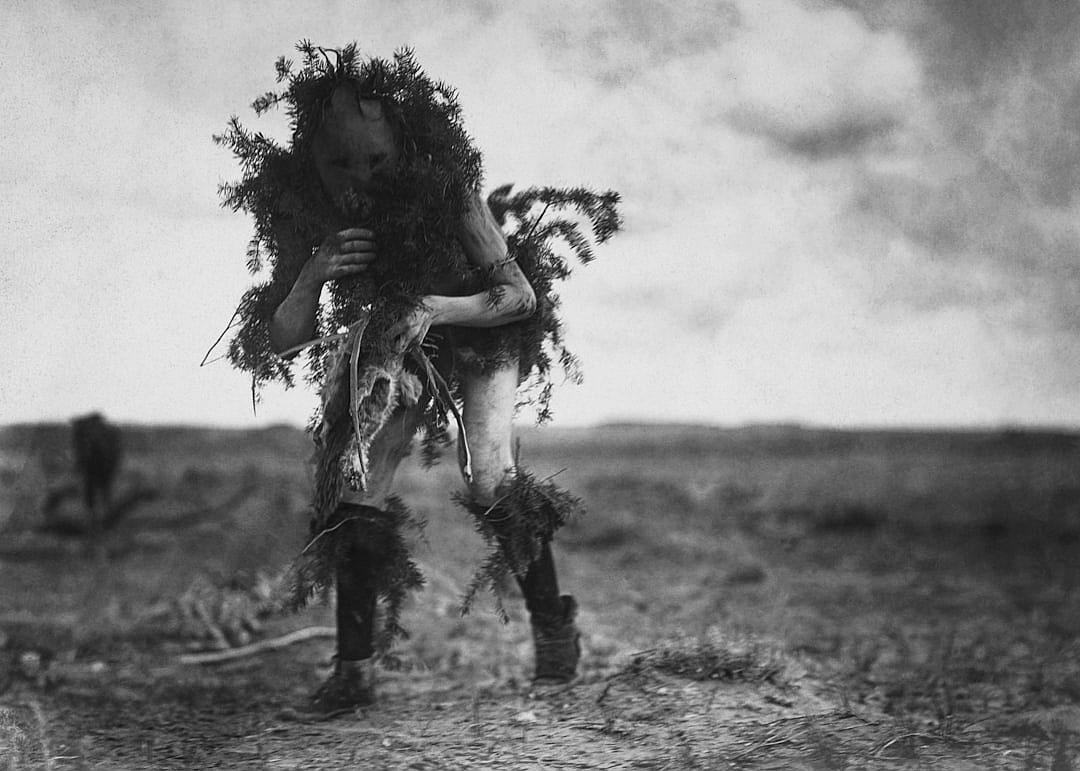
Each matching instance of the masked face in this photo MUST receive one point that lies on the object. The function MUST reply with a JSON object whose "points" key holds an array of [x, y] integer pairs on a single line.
{"points": [[354, 145]]}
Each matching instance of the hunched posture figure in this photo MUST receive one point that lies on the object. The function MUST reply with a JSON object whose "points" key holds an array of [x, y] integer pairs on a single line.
{"points": [[355, 143]]}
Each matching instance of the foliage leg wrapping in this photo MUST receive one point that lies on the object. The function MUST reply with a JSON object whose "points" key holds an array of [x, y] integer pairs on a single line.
{"points": [[519, 527], [364, 551]]}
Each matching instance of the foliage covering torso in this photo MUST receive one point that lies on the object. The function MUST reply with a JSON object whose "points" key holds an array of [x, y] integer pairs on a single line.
{"points": [[415, 213]]}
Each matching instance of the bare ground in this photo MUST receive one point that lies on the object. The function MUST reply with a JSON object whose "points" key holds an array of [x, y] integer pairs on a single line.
{"points": [[750, 599]]}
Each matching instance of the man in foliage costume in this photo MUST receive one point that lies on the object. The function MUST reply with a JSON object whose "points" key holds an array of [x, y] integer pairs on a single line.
{"points": [[433, 313]]}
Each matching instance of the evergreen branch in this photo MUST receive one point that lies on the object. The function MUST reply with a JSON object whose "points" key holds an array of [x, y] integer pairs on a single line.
{"points": [[486, 515], [283, 68]]}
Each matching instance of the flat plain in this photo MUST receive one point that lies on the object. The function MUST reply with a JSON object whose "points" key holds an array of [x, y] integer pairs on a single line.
{"points": [[761, 597]]}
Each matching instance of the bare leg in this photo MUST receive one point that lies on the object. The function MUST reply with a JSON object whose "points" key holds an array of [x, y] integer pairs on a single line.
{"points": [[488, 414], [389, 447], [490, 401]]}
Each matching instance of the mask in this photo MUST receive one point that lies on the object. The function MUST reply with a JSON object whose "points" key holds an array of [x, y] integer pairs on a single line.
{"points": [[355, 144]]}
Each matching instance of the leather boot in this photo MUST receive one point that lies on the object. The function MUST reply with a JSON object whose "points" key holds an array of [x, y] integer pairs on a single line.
{"points": [[350, 685], [348, 688]]}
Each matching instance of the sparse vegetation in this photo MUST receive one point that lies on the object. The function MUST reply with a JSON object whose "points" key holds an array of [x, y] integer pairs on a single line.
{"points": [[751, 599], [713, 658]]}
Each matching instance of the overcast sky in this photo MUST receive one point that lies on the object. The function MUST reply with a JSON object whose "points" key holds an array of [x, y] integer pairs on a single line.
{"points": [[843, 213]]}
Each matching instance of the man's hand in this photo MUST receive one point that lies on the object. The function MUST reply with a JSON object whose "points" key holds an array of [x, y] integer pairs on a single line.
{"points": [[411, 329], [341, 255], [345, 253]]}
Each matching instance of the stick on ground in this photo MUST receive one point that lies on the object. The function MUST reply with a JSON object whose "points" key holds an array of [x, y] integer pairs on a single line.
{"points": [[213, 657]]}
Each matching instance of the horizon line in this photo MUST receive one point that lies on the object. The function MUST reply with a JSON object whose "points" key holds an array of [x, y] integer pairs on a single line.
{"points": [[781, 425]]}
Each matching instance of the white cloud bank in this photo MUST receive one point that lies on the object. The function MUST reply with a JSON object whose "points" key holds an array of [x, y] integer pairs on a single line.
{"points": [[810, 234]]}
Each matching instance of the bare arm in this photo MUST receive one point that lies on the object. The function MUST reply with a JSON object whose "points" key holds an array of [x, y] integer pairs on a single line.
{"points": [[510, 299], [348, 253]]}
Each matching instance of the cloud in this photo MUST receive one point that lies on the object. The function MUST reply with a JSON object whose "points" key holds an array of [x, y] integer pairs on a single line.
{"points": [[826, 204], [617, 41], [985, 205], [846, 136], [1002, 77], [819, 83]]}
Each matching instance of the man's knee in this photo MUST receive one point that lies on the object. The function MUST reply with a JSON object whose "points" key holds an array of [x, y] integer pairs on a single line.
{"points": [[484, 449], [487, 484], [390, 446], [486, 464]]}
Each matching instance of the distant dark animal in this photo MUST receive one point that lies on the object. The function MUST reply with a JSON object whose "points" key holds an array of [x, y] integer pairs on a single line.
{"points": [[98, 452]]}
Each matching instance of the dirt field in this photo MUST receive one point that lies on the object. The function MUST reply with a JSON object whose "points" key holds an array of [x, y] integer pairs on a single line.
{"points": [[759, 598]]}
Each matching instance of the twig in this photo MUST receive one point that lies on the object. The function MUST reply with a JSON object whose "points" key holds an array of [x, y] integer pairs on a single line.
{"points": [[973, 723], [882, 747], [297, 348], [213, 657], [918, 735], [796, 718], [444, 393], [219, 337], [495, 266], [772, 740], [326, 531], [537, 222], [504, 496], [356, 329]]}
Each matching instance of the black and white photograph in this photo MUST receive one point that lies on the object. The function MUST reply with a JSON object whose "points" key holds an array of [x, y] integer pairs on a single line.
{"points": [[612, 384]]}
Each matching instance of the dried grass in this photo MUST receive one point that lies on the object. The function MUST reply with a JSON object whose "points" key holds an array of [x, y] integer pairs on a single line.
{"points": [[716, 657]]}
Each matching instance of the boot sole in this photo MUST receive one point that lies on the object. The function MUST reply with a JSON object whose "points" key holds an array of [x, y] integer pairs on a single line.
{"points": [[547, 683]]}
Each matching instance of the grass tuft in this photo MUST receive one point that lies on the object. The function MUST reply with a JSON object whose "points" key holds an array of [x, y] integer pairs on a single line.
{"points": [[714, 658]]}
